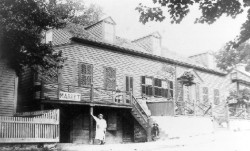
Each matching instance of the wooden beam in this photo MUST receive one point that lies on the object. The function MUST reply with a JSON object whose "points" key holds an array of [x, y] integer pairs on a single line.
{"points": [[91, 124], [127, 106]]}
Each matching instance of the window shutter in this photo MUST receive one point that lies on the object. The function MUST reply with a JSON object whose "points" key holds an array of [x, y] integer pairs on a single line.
{"points": [[127, 83], [85, 74], [110, 78], [131, 83], [216, 97], [143, 79]]}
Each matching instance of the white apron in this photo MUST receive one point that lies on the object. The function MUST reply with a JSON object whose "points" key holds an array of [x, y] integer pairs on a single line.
{"points": [[101, 126]]}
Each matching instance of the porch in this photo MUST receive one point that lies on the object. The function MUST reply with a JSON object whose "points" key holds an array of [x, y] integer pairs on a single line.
{"points": [[71, 94]]}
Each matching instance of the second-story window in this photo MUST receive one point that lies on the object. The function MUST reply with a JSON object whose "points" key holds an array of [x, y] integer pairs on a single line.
{"points": [[109, 78], [205, 95], [85, 74], [147, 85]]}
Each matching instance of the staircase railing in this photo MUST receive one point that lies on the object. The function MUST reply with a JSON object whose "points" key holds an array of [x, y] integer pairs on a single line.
{"points": [[141, 116]]}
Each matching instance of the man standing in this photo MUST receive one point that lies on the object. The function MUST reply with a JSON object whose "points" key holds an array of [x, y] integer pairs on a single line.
{"points": [[101, 126]]}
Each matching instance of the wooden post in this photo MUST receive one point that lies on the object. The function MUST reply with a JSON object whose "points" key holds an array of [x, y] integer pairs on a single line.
{"points": [[91, 92], [91, 110], [91, 123], [183, 98], [149, 130]]}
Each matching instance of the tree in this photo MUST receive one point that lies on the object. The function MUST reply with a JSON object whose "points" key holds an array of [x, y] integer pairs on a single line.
{"points": [[211, 11], [88, 16], [23, 23], [228, 57]]}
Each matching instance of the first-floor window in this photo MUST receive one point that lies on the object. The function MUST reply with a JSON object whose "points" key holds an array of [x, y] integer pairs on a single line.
{"points": [[129, 84], [216, 96], [205, 94], [147, 85], [157, 87]]}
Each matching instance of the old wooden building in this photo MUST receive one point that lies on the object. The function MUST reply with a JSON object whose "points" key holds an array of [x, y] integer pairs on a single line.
{"points": [[127, 81], [8, 89]]}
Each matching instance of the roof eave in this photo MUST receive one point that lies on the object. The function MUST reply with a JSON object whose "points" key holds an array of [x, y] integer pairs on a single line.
{"points": [[146, 55]]}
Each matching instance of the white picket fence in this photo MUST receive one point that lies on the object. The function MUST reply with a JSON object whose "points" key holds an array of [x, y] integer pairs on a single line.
{"points": [[30, 127]]}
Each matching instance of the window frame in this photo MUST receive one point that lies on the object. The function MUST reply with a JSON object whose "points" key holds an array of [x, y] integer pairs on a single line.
{"points": [[80, 75], [168, 94], [216, 97], [105, 78], [205, 95], [145, 85]]}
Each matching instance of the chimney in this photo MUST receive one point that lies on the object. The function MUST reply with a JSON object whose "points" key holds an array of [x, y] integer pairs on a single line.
{"points": [[48, 36], [151, 43], [207, 59], [241, 67], [103, 30]]}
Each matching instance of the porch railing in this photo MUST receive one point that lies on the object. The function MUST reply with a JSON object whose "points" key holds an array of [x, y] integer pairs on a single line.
{"points": [[32, 129], [190, 108], [239, 113], [51, 91]]}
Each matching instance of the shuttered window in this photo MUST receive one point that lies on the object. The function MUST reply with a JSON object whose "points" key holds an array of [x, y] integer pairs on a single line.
{"points": [[216, 97], [85, 74], [164, 90], [157, 87], [147, 85], [205, 95], [110, 78], [171, 89], [129, 83]]}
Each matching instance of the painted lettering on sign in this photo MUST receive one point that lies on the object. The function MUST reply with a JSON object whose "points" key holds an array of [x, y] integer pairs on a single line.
{"points": [[69, 96]]}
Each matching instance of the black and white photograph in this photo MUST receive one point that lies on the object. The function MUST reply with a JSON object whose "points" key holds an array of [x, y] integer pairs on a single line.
{"points": [[124, 75]]}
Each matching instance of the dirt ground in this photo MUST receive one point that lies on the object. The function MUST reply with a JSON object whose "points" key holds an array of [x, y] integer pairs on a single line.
{"points": [[219, 141]]}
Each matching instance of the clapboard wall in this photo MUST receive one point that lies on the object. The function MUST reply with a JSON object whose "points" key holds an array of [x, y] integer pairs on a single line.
{"points": [[8, 90]]}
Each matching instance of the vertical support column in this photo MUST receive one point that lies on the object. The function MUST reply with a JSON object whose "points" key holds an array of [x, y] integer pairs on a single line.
{"points": [[149, 130], [91, 123], [176, 91], [227, 115], [183, 99], [91, 110]]}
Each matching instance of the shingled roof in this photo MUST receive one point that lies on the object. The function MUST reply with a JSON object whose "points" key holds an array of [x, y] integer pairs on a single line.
{"points": [[64, 36]]}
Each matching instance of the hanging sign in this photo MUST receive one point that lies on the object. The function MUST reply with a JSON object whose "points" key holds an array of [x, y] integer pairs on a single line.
{"points": [[69, 96]]}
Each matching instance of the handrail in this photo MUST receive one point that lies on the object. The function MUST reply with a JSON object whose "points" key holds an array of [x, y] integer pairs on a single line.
{"points": [[135, 103]]}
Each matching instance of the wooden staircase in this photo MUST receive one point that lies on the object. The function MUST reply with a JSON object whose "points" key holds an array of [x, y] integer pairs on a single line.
{"points": [[141, 117]]}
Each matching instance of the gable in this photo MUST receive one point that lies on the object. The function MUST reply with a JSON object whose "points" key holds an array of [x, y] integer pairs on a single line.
{"points": [[197, 78], [109, 20]]}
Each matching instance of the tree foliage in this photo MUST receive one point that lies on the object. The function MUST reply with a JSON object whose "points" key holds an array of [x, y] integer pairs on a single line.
{"points": [[22, 24], [242, 97], [228, 57], [211, 11]]}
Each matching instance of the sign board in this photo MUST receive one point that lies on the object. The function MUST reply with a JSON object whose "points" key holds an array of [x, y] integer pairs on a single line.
{"points": [[69, 96]]}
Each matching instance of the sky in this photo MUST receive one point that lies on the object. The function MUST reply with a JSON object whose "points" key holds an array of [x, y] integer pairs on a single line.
{"points": [[186, 38]]}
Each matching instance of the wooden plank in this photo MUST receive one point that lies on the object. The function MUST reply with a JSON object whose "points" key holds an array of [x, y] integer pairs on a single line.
{"points": [[27, 140]]}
